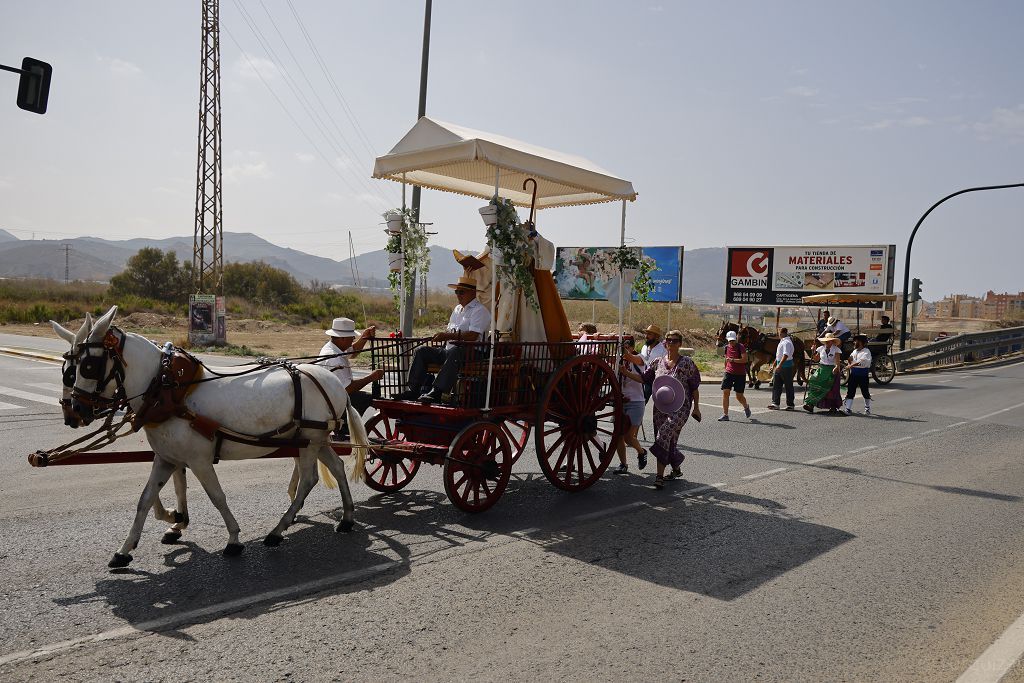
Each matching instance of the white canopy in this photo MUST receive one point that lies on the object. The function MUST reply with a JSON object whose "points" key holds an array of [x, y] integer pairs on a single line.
{"points": [[443, 156]]}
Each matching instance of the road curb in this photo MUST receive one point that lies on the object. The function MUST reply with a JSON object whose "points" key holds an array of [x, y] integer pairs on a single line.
{"points": [[38, 355]]}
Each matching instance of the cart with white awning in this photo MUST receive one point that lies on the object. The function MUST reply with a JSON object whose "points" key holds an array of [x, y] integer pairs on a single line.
{"points": [[563, 391]]}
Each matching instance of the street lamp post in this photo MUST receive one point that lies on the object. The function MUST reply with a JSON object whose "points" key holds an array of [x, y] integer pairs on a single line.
{"points": [[910, 244]]}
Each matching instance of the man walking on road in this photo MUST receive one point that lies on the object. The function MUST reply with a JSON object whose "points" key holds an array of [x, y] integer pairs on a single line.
{"points": [[735, 375], [784, 370]]}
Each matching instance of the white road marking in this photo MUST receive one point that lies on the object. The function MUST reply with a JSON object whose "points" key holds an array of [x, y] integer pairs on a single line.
{"points": [[932, 431], [27, 395], [702, 489], [48, 386], [768, 473], [862, 449], [996, 412], [191, 616], [999, 658], [9, 406], [827, 457], [902, 438], [944, 381]]}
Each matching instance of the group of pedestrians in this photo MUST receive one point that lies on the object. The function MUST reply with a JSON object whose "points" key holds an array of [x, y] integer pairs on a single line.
{"points": [[660, 372]]}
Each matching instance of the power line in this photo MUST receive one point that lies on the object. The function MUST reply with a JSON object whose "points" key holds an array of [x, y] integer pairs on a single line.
{"points": [[358, 193], [304, 101], [316, 93], [330, 79]]}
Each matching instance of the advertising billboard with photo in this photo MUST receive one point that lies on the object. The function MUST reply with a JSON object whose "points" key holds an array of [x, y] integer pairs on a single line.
{"points": [[588, 273], [781, 276]]}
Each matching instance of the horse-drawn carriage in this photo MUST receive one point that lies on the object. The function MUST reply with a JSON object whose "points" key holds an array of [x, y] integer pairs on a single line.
{"points": [[883, 368], [564, 391]]}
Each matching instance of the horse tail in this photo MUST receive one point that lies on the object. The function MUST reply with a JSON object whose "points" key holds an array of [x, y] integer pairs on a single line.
{"points": [[326, 477], [359, 440]]}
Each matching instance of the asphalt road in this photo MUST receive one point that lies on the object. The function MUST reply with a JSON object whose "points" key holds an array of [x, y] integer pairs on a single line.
{"points": [[799, 548]]}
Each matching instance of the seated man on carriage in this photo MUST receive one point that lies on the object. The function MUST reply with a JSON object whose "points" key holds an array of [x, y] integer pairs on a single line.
{"points": [[469, 322], [342, 344], [839, 329]]}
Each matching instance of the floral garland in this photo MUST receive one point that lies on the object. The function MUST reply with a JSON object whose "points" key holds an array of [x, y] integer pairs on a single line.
{"points": [[625, 258], [417, 254], [507, 236]]}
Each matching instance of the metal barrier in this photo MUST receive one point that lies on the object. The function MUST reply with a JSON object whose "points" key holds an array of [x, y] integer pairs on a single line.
{"points": [[963, 348]]}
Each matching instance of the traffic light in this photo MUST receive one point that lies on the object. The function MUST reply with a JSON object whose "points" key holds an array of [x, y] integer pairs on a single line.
{"points": [[915, 290], [34, 87]]}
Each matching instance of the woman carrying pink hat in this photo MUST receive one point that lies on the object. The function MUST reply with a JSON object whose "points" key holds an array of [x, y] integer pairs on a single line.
{"points": [[676, 396]]}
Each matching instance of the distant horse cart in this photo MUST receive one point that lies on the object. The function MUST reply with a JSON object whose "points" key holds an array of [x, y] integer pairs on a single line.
{"points": [[883, 368], [761, 348]]}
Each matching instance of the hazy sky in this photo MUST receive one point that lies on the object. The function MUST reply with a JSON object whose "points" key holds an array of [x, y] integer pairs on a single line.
{"points": [[738, 123]]}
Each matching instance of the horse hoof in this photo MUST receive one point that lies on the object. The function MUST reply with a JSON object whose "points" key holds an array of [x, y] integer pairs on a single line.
{"points": [[235, 549], [170, 537], [119, 561], [273, 540], [345, 526]]}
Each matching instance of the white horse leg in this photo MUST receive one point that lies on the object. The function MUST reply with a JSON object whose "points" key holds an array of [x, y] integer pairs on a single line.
{"points": [[336, 465], [158, 476], [294, 483], [179, 516], [211, 484], [306, 466]]}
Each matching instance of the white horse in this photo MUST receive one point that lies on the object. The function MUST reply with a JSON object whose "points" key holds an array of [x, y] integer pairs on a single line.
{"points": [[254, 403], [178, 518]]}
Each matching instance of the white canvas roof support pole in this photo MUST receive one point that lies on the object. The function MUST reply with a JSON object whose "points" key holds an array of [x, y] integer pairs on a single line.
{"points": [[622, 291], [401, 274], [494, 299]]}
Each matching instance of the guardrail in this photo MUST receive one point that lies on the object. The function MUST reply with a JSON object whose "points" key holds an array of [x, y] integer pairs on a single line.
{"points": [[963, 348]]}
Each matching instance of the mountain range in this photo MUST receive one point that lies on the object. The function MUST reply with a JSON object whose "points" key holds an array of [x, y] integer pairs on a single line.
{"points": [[95, 259]]}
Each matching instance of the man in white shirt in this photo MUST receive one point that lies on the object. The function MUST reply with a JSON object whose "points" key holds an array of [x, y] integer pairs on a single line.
{"points": [[337, 352], [653, 349], [859, 365], [469, 322], [838, 328], [784, 369]]}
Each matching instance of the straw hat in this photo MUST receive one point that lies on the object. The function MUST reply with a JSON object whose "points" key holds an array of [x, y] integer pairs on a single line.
{"points": [[832, 320], [668, 393], [829, 337], [764, 374], [342, 327], [465, 282], [653, 329]]}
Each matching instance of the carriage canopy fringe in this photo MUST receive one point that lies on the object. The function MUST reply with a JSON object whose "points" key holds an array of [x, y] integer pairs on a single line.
{"points": [[444, 156]]}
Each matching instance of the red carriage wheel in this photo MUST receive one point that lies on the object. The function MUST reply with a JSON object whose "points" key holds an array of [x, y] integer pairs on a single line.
{"points": [[579, 422], [518, 434], [386, 472], [478, 466]]}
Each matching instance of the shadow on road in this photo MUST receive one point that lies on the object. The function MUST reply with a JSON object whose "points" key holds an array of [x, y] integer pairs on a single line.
{"points": [[198, 578]]}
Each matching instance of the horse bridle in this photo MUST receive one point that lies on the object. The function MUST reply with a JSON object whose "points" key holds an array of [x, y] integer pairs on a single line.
{"points": [[92, 366]]}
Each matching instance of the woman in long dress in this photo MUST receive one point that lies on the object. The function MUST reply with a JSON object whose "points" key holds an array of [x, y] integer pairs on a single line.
{"points": [[668, 425], [823, 385]]}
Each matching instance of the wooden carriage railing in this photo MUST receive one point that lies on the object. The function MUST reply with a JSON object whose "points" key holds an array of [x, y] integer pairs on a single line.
{"points": [[520, 372]]}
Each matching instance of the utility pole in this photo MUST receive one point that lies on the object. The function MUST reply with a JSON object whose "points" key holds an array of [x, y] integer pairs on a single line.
{"points": [[67, 261], [208, 240], [410, 295]]}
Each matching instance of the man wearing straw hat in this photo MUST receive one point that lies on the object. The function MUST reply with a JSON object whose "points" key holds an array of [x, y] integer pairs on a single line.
{"points": [[652, 350], [469, 322], [337, 351]]}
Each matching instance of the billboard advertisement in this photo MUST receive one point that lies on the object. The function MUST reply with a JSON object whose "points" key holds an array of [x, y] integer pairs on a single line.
{"points": [[781, 276], [201, 318], [588, 273]]}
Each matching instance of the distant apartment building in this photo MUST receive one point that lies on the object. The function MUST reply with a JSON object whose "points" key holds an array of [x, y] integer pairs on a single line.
{"points": [[992, 307], [1000, 306]]}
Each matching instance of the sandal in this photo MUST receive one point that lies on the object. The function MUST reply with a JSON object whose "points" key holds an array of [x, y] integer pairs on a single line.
{"points": [[659, 482]]}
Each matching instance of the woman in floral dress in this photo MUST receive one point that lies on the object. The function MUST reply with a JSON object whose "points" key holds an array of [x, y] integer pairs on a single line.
{"points": [[668, 425]]}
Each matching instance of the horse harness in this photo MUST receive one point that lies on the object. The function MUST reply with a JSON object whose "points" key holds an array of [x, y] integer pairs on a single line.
{"points": [[180, 372]]}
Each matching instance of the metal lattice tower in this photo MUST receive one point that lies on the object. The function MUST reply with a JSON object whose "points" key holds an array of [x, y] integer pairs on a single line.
{"points": [[208, 243]]}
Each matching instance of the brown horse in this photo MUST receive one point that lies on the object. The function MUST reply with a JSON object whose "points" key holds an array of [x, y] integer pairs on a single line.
{"points": [[761, 349]]}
